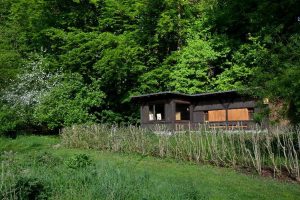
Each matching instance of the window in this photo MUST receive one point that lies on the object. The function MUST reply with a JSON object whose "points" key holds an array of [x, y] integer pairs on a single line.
{"points": [[251, 113], [205, 113], [157, 112], [182, 111]]}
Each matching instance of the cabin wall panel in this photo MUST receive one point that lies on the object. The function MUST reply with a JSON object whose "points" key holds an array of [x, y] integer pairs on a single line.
{"points": [[198, 117], [209, 107], [241, 114], [168, 111], [217, 115], [242, 104], [217, 105], [144, 113]]}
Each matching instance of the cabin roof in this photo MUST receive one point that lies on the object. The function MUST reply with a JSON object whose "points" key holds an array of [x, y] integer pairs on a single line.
{"points": [[215, 93], [166, 93], [170, 94]]}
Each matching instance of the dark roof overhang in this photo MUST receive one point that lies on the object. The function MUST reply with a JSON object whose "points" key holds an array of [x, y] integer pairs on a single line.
{"points": [[169, 94], [159, 95]]}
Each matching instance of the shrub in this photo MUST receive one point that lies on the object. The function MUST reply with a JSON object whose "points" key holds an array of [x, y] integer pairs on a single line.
{"points": [[79, 161], [9, 119], [31, 188], [69, 102], [19, 99], [48, 159]]}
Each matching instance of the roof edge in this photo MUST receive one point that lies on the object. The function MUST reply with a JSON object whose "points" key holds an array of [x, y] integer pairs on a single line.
{"points": [[182, 94], [160, 93]]}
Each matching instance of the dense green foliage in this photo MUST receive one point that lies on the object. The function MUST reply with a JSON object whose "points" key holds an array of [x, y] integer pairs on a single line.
{"points": [[92, 55], [32, 169]]}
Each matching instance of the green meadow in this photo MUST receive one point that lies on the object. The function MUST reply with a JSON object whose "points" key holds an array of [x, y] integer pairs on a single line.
{"points": [[39, 167]]}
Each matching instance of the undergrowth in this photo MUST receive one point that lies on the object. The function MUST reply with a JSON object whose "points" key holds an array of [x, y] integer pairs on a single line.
{"points": [[46, 176], [276, 150]]}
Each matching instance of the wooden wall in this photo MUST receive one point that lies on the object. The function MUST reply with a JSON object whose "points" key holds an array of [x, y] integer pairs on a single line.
{"points": [[218, 104]]}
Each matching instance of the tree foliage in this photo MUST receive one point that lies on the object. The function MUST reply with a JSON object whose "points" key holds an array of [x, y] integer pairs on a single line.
{"points": [[99, 53], [69, 102]]}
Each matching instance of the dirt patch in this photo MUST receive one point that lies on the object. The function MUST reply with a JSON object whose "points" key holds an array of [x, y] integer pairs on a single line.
{"points": [[268, 172]]}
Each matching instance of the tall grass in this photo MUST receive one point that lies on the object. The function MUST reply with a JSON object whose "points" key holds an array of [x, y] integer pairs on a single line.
{"points": [[7, 176], [275, 150], [46, 176]]}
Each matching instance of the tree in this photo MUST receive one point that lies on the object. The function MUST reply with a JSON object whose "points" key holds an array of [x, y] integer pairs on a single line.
{"points": [[281, 78], [119, 48], [69, 102], [10, 58], [19, 99]]}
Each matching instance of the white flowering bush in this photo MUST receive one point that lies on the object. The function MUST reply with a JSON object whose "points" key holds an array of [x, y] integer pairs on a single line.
{"points": [[43, 98], [31, 84], [18, 100]]}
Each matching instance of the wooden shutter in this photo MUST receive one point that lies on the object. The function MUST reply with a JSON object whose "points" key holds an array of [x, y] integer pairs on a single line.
{"points": [[217, 115], [238, 114]]}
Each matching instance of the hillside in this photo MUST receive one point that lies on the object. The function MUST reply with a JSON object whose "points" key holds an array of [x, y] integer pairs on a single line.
{"points": [[36, 166]]}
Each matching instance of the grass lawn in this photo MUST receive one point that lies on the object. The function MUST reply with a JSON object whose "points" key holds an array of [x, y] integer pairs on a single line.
{"points": [[117, 176]]}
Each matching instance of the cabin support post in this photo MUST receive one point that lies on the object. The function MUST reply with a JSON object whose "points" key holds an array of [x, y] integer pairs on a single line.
{"points": [[226, 113], [173, 116]]}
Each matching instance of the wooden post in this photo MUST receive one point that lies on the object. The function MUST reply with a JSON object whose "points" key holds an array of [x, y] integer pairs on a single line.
{"points": [[173, 115], [226, 111]]}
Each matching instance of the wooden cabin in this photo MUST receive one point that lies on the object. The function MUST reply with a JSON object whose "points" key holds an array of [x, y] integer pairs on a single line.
{"points": [[177, 111]]}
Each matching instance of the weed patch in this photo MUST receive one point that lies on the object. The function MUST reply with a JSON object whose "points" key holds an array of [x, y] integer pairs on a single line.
{"points": [[276, 150]]}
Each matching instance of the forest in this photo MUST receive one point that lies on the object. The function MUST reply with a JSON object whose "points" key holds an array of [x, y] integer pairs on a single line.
{"points": [[65, 62]]}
